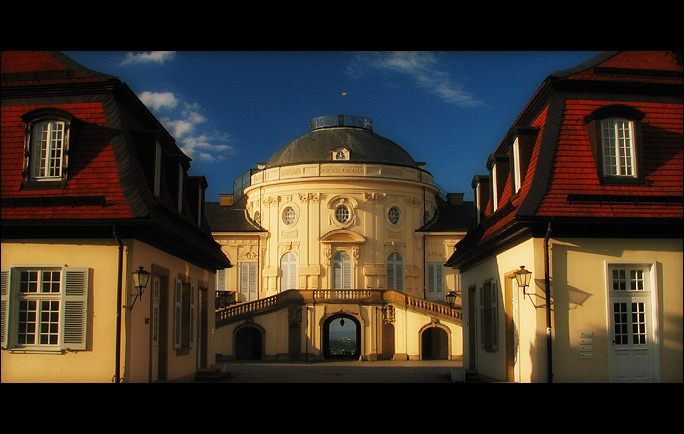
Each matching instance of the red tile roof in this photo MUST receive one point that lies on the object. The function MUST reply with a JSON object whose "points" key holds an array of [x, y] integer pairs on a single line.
{"points": [[562, 181], [107, 180]]}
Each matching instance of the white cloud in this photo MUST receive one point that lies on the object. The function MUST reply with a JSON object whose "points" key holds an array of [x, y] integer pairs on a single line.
{"points": [[148, 57], [158, 100], [183, 125], [424, 68]]}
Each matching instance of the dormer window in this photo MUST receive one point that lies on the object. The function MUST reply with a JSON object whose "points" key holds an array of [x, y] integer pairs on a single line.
{"points": [[617, 140], [340, 154], [614, 135], [498, 173], [523, 140], [47, 146]]}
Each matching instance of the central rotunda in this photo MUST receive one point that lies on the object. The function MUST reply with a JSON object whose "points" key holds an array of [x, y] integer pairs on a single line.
{"points": [[340, 226]]}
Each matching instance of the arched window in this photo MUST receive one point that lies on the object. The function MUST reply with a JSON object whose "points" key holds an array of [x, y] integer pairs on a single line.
{"points": [[341, 272], [395, 272], [614, 133], [47, 145], [288, 272]]}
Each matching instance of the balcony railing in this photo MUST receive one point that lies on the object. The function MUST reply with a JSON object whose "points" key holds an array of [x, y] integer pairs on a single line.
{"points": [[239, 311]]}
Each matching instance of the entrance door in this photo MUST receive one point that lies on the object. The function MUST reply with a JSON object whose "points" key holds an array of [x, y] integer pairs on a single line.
{"points": [[156, 304], [631, 324], [342, 337], [435, 342]]}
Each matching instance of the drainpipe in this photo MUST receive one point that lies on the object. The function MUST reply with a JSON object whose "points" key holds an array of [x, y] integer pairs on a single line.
{"points": [[119, 286], [547, 289]]}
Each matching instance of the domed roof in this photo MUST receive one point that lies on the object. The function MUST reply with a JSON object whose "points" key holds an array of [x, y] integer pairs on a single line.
{"points": [[352, 134]]}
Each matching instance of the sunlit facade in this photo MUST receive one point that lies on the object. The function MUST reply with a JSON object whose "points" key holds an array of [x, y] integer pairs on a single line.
{"points": [[340, 223]]}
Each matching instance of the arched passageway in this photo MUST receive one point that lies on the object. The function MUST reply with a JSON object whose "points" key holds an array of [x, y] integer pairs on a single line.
{"points": [[248, 344], [341, 337], [435, 344]]}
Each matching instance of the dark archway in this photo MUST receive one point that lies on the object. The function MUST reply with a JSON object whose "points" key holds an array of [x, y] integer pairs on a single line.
{"points": [[341, 337], [435, 344], [248, 344]]}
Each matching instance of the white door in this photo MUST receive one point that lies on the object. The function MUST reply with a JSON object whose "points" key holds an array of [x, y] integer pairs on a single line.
{"points": [[156, 302], [631, 324]]}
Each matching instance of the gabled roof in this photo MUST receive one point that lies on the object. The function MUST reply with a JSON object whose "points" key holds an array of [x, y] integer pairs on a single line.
{"points": [[110, 160], [561, 183]]}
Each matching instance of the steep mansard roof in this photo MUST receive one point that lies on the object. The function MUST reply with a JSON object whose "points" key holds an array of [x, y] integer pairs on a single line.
{"points": [[110, 160], [561, 182]]}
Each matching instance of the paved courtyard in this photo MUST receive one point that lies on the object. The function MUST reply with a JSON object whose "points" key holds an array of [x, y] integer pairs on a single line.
{"points": [[337, 372]]}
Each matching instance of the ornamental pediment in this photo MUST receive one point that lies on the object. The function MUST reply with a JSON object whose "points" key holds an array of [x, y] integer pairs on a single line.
{"points": [[342, 236]]}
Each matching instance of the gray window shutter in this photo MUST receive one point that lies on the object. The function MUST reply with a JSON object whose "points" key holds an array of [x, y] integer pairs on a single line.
{"points": [[75, 320], [177, 313], [4, 304]]}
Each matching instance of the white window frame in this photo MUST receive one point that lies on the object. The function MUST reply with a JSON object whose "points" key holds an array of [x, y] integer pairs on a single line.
{"points": [[650, 290], [43, 144], [72, 301], [618, 150], [517, 178], [495, 195]]}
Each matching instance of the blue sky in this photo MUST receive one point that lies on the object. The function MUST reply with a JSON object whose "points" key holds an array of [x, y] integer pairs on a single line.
{"points": [[230, 110]]}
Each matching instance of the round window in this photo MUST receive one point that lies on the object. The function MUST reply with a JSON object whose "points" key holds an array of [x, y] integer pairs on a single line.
{"points": [[289, 215], [342, 214], [393, 215]]}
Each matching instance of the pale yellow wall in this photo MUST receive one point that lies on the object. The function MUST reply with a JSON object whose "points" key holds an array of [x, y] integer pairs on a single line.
{"points": [[137, 320], [407, 326], [314, 191], [314, 198], [97, 364], [579, 269], [579, 305]]}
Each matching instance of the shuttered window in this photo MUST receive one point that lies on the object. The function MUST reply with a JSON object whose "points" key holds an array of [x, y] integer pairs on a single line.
{"points": [[288, 272], [177, 313], [435, 281], [248, 281], [44, 308], [395, 272], [341, 272], [489, 314]]}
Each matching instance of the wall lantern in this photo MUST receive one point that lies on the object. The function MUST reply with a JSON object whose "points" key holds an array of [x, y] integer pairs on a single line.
{"points": [[522, 276], [140, 279], [451, 298]]}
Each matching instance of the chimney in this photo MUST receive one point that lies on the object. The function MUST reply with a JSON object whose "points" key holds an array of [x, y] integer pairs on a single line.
{"points": [[225, 199]]}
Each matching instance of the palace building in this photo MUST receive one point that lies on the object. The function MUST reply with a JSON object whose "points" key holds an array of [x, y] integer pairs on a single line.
{"points": [[340, 230]]}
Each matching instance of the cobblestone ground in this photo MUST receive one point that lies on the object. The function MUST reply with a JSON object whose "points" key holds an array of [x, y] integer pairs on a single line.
{"points": [[338, 372]]}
